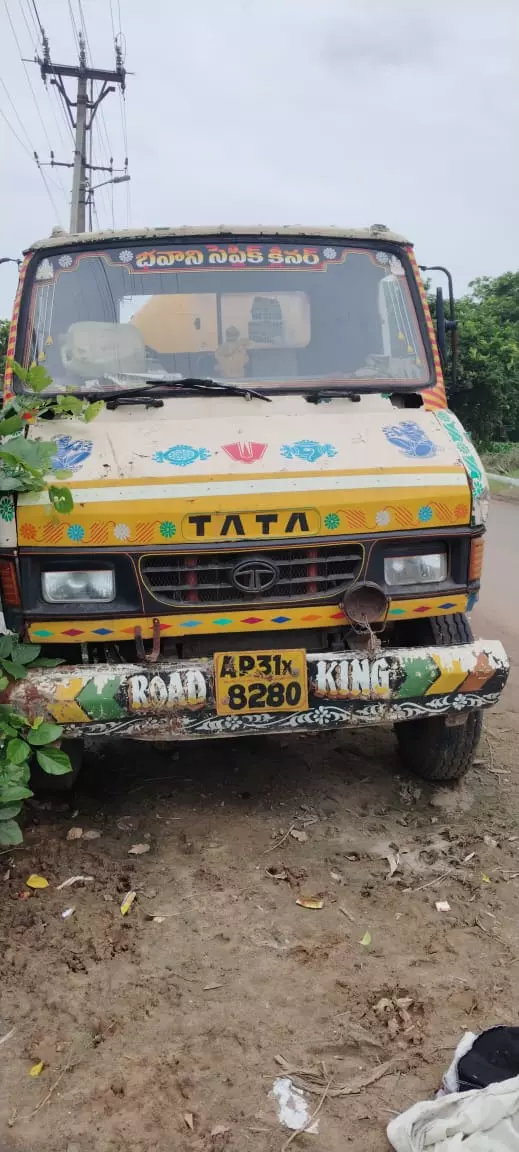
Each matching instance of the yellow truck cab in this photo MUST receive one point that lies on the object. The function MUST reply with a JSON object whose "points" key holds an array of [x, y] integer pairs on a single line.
{"points": [[277, 523]]}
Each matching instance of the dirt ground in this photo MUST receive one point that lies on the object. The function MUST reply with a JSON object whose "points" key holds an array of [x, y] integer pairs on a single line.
{"points": [[167, 1033]]}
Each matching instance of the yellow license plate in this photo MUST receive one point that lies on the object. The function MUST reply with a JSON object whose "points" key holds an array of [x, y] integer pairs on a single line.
{"points": [[261, 682]]}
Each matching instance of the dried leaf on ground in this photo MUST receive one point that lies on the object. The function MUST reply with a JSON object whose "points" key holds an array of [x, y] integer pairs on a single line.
{"points": [[443, 906], [394, 863], [127, 902], [220, 1130], [73, 880], [312, 902], [299, 835], [189, 1120], [34, 881], [486, 879], [489, 841], [74, 833], [68, 912], [138, 849], [92, 834], [366, 939], [36, 1069]]}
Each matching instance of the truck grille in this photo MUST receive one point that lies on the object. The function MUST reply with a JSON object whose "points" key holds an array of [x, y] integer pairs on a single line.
{"points": [[303, 573]]}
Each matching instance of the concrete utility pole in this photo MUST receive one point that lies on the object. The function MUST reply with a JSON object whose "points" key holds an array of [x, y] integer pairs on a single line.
{"points": [[82, 119]]}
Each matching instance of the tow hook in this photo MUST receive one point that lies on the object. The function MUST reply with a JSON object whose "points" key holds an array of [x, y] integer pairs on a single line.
{"points": [[149, 657]]}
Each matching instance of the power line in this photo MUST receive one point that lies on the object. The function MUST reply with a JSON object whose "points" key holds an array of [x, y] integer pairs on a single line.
{"points": [[22, 125], [28, 78], [15, 134], [37, 15]]}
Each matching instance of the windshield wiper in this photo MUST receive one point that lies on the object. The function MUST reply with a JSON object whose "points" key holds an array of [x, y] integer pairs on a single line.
{"points": [[197, 383]]}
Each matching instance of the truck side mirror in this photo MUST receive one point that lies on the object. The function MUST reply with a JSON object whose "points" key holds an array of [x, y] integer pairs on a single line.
{"points": [[441, 330]]}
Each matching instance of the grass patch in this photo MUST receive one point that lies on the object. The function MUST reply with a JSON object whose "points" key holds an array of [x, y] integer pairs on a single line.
{"points": [[502, 490]]}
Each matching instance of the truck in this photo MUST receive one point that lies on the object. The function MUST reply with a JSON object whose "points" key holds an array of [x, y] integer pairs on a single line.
{"points": [[277, 523]]}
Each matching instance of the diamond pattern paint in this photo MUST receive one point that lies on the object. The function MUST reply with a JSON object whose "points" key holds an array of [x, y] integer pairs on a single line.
{"points": [[280, 619]]}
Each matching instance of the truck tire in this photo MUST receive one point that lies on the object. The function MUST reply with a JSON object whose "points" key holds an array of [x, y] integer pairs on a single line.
{"points": [[42, 782], [429, 747]]}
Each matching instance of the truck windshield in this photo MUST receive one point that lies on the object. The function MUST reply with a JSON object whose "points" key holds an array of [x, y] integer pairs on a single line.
{"points": [[280, 316]]}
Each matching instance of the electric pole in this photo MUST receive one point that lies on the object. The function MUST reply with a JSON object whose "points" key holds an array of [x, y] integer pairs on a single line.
{"points": [[81, 112]]}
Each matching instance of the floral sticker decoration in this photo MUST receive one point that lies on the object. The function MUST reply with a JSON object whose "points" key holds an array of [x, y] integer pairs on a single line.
{"points": [[65, 261], [122, 532], [167, 529], [382, 518], [125, 256], [330, 253], [425, 513], [411, 439], [181, 455], [309, 450], [332, 520], [7, 508], [75, 532]]}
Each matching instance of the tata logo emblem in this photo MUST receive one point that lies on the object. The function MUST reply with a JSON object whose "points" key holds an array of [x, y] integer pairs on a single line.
{"points": [[246, 451], [254, 576]]}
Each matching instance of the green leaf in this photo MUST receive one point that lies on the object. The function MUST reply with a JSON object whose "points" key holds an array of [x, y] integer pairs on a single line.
{"points": [[61, 498], [12, 484], [47, 662], [7, 644], [3, 683], [9, 811], [11, 792], [70, 404], [38, 378], [7, 729], [93, 410], [10, 832], [20, 372], [15, 671], [15, 773], [54, 761], [11, 425], [8, 715], [26, 653], [18, 750], [45, 733], [35, 455]]}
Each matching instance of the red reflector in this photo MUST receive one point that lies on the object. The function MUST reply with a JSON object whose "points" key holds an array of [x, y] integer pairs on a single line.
{"points": [[9, 584]]}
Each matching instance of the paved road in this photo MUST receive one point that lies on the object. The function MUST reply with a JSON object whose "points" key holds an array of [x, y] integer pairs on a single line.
{"points": [[497, 614]]}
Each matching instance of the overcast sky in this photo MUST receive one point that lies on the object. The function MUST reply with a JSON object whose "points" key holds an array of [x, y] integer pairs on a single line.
{"points": [[283, 111]]}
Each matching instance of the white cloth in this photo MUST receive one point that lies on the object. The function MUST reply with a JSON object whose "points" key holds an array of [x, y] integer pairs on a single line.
{"points": [[485, 1120], [451, 1082]]}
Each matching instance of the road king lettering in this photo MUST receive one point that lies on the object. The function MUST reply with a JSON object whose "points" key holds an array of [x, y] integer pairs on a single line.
{"points": [[167, 690], [239, 525], [358, 677]]}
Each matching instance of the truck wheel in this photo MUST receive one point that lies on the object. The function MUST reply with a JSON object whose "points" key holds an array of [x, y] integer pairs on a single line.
{"points": [[43, 782], [430, 747]]}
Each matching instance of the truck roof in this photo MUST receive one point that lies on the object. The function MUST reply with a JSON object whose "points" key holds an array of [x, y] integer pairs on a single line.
{"points": [[126, 235]]}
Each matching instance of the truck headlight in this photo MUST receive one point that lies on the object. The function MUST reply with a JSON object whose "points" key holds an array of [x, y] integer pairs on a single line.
{"points": [[428, 569], [67, 587]]}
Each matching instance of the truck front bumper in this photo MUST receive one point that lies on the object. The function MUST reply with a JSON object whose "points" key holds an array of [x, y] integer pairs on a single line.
{"points": [[176, 700]]}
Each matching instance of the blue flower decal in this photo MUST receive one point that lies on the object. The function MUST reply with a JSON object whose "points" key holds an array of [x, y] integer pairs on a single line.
{"points": [[309, 450], [167, 529], [411, 439], [75, 532], [425, 513], [70, 454], [332, 520], [182, 455]]}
